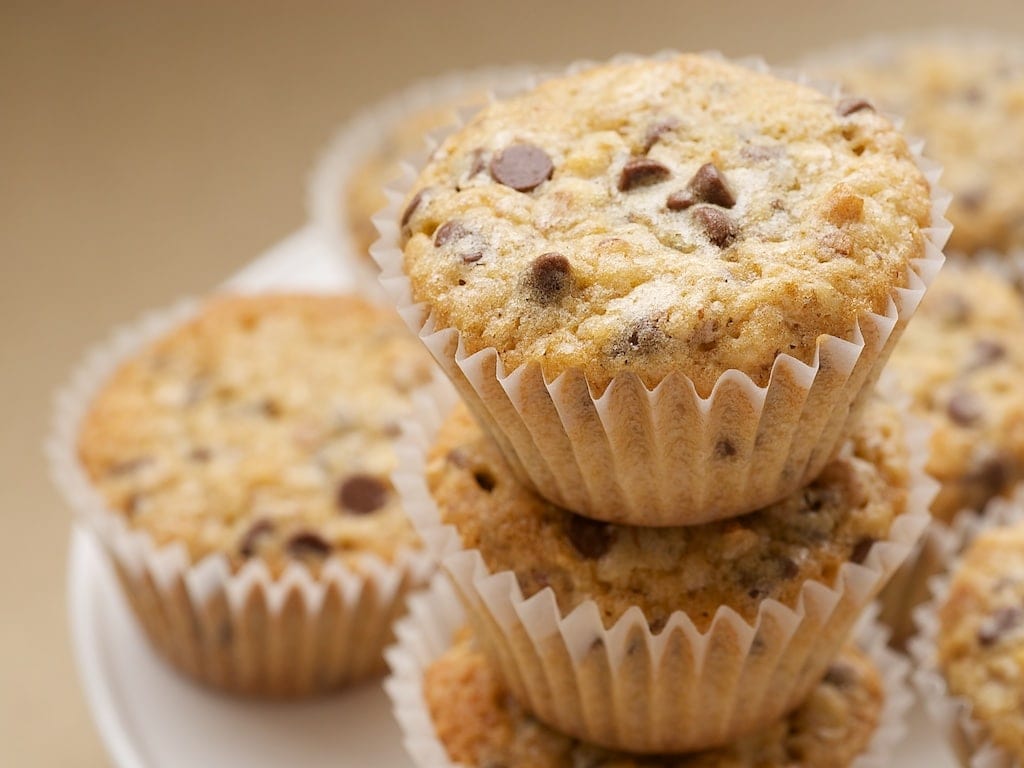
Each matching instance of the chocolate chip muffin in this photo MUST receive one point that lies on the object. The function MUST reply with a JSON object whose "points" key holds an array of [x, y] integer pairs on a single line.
{"points": [[962, 362], [965, 97], [980, 640], [257, 438], [738, 563], [599, 629], [480, 724], [679, 216], [726, 238], [263, 428]]}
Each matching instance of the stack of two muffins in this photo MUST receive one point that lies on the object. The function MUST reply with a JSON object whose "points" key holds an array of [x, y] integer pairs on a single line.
{"points": [[664, 289]]}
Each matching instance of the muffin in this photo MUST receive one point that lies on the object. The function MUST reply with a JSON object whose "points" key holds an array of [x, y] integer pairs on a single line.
{"points": [[480, 724], [666, 639], [961, 363], [241, 463], [664, 284], [454, 708], [965, 97], [972, 647]]}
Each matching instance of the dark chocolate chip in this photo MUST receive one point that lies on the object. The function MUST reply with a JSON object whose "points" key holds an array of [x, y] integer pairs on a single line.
{"points": [[708, 186], [308, 543], [472, 257], [656, 131], [717, 225], [270, 408], [813, 500], [642, 172], [1001, 622], [485, 480], [249, 542], [861, 550], [523, 167], [414, 203], [550, 277], [449, 231], [992, 474], [964, 408], [724, 449], [848, 106], [591, 538], [200, 455], [680, 200], [840, 675], [986, 352], [972, 199], [362, 494], [641, 336]]}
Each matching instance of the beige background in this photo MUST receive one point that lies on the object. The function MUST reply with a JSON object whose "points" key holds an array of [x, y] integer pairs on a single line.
{"points": [[148, 152]]}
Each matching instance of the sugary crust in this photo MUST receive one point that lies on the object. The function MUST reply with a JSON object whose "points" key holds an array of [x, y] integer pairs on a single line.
{"points": [[263, 427], [962, 362], [966, 99], [980, 643], [826, 213], [480, 724], [737, 562]]}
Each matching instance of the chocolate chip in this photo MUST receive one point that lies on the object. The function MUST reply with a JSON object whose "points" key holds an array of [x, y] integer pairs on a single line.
{"points": [[1000, 623], [642, 172], [200, 455], [717, 225], [964, 408], [788, 569], [270, 408], [258, 530], [591, 538], [840, 675], [724, 449], [472, 257], [485, 480], [848, 106], [450, 230], [477, 164], [414, 203], [641, 336], [861, 550], [986, 352], [707, 186], [550, 277], [813, 500], [991, 473], [972, 199], [523, 167], [656, 131], [308, 543], [362, 494]]}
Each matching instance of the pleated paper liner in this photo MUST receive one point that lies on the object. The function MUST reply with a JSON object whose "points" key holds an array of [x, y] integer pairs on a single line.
{"points": [[436, 615], [647, 457], [952, 714], [245, 631], [363, 137], [627, 688]]}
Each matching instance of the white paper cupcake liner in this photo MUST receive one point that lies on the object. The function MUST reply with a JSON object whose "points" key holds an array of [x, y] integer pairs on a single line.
{"points": [[365, 132], [952, 714], [679, 690], [435, 615], [245, 631], [583, 450]]}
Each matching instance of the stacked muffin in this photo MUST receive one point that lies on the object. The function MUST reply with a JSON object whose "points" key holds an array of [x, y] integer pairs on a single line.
{"points": [[664, 289]]}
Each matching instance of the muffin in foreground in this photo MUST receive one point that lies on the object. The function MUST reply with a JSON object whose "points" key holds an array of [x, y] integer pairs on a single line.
{"points": [[965, 96], [480, 724], [256, 441], [666, 639], [684, 224], [979, 644]]}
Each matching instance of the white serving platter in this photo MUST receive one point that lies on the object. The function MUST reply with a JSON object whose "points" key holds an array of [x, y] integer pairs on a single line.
{"points": [[151, 717]]}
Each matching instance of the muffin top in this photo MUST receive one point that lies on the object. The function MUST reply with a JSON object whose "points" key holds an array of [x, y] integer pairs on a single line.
{"points": [[981, 634], [962, 362], [262, 427], [480, 724], [737, 562], [966, 99], [687, 215]]}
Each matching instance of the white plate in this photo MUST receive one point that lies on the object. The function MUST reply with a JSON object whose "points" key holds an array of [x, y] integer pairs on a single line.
{"points": [[151, 717]]}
